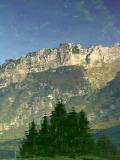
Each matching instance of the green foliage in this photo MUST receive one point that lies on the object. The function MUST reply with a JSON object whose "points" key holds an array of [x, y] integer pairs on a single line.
{"points": [[43, 138], [105, 146], [57, 128], [29, 145], [86, 142], [72, 132], [64, 134]]}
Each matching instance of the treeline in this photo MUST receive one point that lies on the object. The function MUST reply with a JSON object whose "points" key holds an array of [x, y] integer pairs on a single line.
{"points": [[66, 134]]}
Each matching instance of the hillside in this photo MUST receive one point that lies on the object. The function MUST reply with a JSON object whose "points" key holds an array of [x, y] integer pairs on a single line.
{"points": [[30, 85], [109, 100]]}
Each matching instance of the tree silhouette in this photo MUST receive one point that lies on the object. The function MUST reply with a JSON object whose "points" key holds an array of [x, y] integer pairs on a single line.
{"points": [[72, 131], [64, 134], [43, 137], [57, 128], [86, 142], [29, 145]]}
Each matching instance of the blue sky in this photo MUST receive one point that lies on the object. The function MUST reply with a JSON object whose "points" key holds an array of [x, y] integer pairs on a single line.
{"points": [[28, 25]]}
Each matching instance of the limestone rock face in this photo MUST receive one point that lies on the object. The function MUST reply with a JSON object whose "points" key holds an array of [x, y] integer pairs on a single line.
{"points": [[66, 54], [30, 84]]}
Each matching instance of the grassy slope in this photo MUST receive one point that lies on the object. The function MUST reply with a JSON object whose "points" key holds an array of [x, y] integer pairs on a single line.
{"points": [[66, 158], [113, 133]]}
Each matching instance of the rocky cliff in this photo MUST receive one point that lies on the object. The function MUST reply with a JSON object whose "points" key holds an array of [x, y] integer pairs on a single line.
{"points": [[30, 84], [65, 55]]}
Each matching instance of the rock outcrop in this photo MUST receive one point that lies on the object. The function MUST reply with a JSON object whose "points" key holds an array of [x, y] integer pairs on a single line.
{"points": [[65, 55], [30, 84]]}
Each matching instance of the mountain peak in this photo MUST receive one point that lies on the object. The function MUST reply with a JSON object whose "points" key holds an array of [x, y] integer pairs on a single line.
{"points": [[30, 84], [67, 54]]}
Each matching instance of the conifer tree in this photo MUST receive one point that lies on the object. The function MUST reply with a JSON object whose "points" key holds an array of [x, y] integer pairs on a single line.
{"points": [[44, 126], [57, 128], [86, 142], [43, 138], [29, 144], [65, 134], [72, 131]]}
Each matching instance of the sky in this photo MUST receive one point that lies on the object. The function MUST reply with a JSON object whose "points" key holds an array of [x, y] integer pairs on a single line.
{"points": [[30, 25]]}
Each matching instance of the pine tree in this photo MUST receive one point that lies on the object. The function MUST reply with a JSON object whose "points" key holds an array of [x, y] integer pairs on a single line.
{"points": [[86, 142], [29, 144], [64, 134], [44, 138], [57, 128], [44, 126], [71, 131]]}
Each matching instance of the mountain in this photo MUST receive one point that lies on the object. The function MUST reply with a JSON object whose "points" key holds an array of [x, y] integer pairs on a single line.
{"points": [[109, 100], [82, 77], [113, 133]]}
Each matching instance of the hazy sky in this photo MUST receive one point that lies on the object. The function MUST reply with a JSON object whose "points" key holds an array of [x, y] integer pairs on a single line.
{"points": [[28, 25]]}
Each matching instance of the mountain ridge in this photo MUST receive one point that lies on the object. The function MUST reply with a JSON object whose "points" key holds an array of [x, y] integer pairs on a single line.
{"points": [[30, 85], [65, 55]]}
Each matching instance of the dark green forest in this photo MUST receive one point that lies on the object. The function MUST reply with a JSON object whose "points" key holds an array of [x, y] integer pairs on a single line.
{"points": [[64, 134]]}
